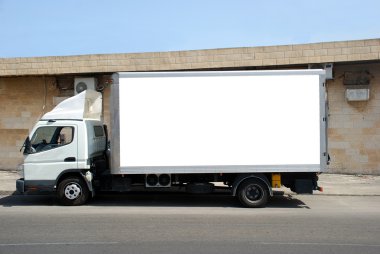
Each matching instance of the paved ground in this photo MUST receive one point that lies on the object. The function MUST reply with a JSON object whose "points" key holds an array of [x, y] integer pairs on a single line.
{"points": [[345, 218], [8, 181], [180, 223]]}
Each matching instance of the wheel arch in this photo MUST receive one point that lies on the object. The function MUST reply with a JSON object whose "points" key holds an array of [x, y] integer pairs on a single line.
{"points": [[242, 177], [73, 173]]}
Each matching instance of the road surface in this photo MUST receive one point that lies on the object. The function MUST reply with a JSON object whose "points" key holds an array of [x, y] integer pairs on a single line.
{"points": [[182, 223]]}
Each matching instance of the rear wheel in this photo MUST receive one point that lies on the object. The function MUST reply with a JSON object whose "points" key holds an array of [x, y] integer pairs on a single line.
{"points": [[253, 193], [73, 191]]}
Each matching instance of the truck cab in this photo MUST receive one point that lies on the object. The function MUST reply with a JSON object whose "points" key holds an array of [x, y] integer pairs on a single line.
{"points": [[60, 153]]}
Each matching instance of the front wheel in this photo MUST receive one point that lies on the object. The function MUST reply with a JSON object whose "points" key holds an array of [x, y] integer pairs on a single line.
{"points": [[253, 193], [73, 191]]}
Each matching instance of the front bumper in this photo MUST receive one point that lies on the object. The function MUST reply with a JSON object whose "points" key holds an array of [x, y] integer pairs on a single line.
{"points": [[20, 185]]}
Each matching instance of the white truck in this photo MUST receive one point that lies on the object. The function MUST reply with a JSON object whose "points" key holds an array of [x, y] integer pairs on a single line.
{"points": [[246, 131]]}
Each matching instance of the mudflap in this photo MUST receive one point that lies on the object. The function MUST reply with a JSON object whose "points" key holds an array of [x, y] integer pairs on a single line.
{"points": [[304, 186]]}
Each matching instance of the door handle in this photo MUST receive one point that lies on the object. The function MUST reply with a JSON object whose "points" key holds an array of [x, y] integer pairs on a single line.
{"points": [[70, 159]]}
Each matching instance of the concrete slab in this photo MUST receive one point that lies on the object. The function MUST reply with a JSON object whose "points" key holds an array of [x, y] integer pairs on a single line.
{"points": [[8, 181], [338, 184]]}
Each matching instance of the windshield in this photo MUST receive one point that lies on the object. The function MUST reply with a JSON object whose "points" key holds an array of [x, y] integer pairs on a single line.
{"points": [[50, 137]]}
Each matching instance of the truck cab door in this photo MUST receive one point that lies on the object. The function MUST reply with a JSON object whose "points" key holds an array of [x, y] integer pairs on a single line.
{"points": [[54, 149]]}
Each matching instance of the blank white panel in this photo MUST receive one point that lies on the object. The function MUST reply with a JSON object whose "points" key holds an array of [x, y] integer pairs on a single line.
{"points": [[219, 120]]}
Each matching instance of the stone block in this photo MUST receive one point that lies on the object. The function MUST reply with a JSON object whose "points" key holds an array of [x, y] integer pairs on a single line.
{"points": [[373, 42], [361, 50], [369, 56], [278, 48], [226, 58], [249, 63], [357, 43], [269, 61], [314, 59], [340, 58], [353, 57], [320, 52], [260, 56], [200, 65], [340, 44], [299, 60], [284, 61], [276, 55], [168, 61], [327, 59], [184, 60], [255, 50], [328, 45], [248, 56], [375, 49], [308, 52], [172, 54], [334, 51]]}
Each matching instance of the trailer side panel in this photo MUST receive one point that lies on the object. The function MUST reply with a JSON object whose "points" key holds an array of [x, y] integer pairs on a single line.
{"points": [[219, 122]]}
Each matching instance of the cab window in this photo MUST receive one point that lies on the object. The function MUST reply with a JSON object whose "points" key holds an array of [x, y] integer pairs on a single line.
{"points": [[51, 137]]}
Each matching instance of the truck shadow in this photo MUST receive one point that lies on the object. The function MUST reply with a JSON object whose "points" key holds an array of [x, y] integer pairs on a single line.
{"points": [[189, 200], [141, 199]]}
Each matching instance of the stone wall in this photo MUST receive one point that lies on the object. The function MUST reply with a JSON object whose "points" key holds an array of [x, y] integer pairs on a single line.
{"points": [[354, 127], [23, 101], [29, 88], [345, 51]]}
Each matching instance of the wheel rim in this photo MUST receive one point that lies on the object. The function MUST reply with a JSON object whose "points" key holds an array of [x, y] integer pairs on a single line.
{"points": [[73, 191], [253, 192]]}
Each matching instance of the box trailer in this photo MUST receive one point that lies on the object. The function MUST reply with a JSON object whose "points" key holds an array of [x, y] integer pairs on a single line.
{"points": [[248, 131]]}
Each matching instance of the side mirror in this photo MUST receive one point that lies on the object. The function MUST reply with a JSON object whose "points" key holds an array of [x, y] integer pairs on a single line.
{"points": [[28, 146]]}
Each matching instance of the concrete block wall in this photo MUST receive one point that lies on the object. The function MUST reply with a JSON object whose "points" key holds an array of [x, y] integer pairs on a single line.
{"points": [[353, 133], [28, 87], [361, 50], [23, 101], [354, 127]]}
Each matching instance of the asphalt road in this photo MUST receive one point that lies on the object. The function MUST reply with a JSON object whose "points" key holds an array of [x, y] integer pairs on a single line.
{"points": [[178, 223]]}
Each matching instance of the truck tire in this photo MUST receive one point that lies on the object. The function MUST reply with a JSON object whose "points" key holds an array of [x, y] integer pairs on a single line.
{"points": [[73, 191], [253, 193]]}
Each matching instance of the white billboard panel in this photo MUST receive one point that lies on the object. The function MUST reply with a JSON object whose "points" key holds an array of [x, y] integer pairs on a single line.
{"points": [[228, 120]]}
